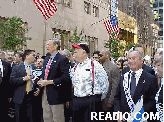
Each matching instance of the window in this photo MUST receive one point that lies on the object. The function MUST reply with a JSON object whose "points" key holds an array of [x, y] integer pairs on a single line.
{"points": [[93, 42], [160, 11], [161, 19], [66, 3], [87, 7], [155, 5], [161, 25], [95, 11], [160, 33], [61, 35], [160, 4]]}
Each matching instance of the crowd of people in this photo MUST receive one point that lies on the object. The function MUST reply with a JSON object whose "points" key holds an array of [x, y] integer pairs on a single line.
{"points": [[64, 87]]}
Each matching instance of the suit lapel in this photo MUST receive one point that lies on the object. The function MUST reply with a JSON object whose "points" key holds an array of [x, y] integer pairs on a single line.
{"points": [[139, 89], [54, 62], [22, 68]]}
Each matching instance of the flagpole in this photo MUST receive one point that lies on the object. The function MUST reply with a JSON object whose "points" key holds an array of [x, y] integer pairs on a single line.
{"points": [[44, 40]]}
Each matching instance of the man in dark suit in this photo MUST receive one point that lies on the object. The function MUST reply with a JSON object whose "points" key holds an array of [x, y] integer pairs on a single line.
{"points": [[112, 71], [138, 84], [144, 66], [21, 80], [5, 71], [56, 77]]}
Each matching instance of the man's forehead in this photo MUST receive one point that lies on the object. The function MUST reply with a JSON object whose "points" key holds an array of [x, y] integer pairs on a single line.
{"points": [[133, 54], [32, 52], [139, 49], [95, 55], [76, 49], [10, 52], [49, 41]]}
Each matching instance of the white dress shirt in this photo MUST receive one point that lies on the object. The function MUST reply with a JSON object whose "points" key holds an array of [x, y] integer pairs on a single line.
{"points": [[1, 66], [82, 79], [138, 74]]}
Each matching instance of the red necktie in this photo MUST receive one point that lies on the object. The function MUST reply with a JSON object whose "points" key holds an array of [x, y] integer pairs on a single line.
{"points": [[47, 69]]}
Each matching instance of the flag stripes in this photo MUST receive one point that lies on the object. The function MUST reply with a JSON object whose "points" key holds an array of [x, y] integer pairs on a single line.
{"points": [[112, 26], [47, 9]]}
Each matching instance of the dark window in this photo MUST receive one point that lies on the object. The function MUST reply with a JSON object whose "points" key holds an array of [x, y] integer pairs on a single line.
{"points": [[155, 5], [160, 4], [95, 11], [161, 19], [160, 11], [87, 7], [160, 33], [161, 25]]}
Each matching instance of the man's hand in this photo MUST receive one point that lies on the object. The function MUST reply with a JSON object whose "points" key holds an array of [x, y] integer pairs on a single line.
{"points": [[26, 78], [42, 83], [45, 82], [67, 104], [36, 93], [9, 99], [109, 105], [34, 79]]}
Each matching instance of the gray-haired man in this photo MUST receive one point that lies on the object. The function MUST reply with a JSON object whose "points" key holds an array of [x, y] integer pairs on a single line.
{"points": [[56, 76]]}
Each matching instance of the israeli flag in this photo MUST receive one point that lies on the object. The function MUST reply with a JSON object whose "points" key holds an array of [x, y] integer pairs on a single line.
{"points": [[138, 111]]}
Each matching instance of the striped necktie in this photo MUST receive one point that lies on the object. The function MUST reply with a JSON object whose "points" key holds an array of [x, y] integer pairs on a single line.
{"points": [[47, 69]]}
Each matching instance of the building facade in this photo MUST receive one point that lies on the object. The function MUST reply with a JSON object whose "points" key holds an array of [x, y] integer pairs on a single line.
{"points": [[83, 14], [142, 17], [158, 7]]}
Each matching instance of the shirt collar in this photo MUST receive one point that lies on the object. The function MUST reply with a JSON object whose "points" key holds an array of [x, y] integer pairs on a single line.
{"points": [[137, 73], [84, 62], [26, 64], [52, 57]]}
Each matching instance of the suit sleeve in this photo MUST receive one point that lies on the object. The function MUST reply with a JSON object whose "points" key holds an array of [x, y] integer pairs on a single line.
{"points": [[117, 97], [15, 79], [8, 79], [64, 69], [149, 103], [115, 81]]}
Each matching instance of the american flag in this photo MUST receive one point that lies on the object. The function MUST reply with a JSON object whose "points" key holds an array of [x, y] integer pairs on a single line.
{"points": [[47, 7], [112, 26]]}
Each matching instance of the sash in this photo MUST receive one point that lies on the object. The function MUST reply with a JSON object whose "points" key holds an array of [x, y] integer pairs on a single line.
{"points": [[157, 103], [134, 108]]}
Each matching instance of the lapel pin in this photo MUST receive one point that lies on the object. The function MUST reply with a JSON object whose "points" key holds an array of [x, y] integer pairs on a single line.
{"points": [[54, 61], [144, 81]]}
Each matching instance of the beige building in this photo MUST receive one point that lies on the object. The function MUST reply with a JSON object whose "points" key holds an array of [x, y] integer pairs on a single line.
{"points": [[85, 14]]}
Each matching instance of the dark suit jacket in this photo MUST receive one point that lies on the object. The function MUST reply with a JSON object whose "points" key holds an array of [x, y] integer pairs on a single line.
{"points": [[16, 80], [112, 71], [147, 89], [4, 86], [144, 67], [59, 92]]}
